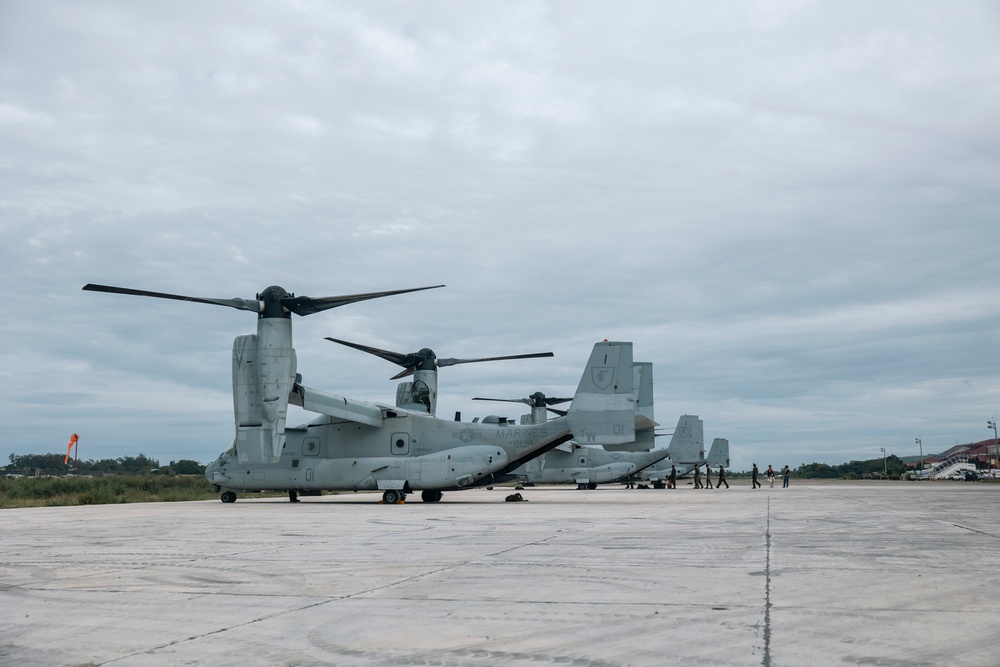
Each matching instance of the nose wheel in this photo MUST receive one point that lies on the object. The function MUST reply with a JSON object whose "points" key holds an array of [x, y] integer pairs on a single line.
{"points": [[228, 497]]}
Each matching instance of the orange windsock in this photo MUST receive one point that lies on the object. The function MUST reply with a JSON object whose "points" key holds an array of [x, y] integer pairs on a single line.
{"points": [[72, 441]]}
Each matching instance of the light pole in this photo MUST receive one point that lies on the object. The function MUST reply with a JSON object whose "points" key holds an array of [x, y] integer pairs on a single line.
{"points": [[885, 465], [921, 444], [996, 447]]}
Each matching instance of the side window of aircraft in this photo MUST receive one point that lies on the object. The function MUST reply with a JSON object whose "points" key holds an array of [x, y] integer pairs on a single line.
{"points": [[421, 393]]}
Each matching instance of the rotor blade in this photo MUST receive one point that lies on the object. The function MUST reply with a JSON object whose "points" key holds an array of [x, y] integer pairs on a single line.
{"points": [[561, 413], [452, 362], [397, 358], [526, 401], [557, 401], [253, 305], [304, 305]]}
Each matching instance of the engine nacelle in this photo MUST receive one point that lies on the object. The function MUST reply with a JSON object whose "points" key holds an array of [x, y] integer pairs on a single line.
{"points": [[264, 369]]}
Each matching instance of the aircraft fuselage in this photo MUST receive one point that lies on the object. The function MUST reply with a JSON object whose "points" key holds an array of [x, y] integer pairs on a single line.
{"points": [[409, 451]]}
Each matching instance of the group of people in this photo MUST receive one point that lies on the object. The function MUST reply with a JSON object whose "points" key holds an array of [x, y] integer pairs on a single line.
{"points": [[708, 478], [770, 474], [785, 472]]}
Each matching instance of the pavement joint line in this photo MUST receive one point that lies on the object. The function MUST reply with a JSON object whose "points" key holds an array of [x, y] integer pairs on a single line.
{"points": [[766, 660], [973, 530], [218, 631], [407, 580]]}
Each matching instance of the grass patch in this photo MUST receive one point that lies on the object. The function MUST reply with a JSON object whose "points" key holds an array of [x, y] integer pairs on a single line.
{"points": [[107, 490]]}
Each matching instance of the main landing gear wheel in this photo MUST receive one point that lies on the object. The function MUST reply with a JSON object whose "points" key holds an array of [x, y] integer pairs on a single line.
{"points": [[228, 497], [392, 497], [429, 496], [591, 485]]}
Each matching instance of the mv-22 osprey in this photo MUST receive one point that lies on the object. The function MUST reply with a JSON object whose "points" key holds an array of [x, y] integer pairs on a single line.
{"points": [[569, 462], [357, 445], [587, 465]]}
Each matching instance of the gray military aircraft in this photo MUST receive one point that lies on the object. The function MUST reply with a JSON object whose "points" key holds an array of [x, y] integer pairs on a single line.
{"points": [[586, 465], [421, 393], [359, 445], [687, 450]]}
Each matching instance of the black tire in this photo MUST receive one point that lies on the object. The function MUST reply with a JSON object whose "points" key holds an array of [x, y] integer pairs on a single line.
{"points": [[429, 496], [392, 497], [591, 485], [228, 497]]}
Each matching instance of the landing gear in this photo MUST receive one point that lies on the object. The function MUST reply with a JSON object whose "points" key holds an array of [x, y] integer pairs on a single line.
{"points": [[293, 497], [228, 497], [392, 497], [429, 496], [591, 485]]}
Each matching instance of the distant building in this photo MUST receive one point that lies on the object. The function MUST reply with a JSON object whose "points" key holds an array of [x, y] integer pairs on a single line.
{"points": [[982, 453]]}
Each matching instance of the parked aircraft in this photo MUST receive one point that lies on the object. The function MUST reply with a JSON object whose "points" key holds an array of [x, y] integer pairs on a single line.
{"points": [[585, 465], [588, 465], [421, 393], [361, 445], [399, 451], [686, 451]]}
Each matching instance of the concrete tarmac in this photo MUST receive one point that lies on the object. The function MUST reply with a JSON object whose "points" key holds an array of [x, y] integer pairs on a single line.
{"points": [[822, 573]]}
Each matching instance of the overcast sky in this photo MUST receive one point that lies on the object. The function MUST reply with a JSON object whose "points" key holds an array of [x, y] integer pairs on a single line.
{"points": [[792, 209]]}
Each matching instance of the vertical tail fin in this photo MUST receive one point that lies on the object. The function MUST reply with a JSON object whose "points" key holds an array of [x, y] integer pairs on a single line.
{"points": [[688, 442], [643, 372], [718, 455], [645, 435], [603, 408]]}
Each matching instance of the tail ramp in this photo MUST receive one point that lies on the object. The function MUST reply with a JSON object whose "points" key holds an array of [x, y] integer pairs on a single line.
{"points": [[718, 455], [603, 408]]}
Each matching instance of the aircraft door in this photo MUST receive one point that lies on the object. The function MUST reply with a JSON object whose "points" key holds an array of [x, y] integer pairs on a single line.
{"points": [[399, 444]]}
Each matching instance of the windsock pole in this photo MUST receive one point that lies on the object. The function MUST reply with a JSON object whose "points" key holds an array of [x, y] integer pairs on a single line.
{"points": [[73, 440]]}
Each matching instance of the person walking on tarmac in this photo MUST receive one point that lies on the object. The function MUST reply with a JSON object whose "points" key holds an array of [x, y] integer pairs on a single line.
{"points": [[672, 480], [708, 477], [770, 476], [753, 477], [697, 477], [785, 472], [722, 478]]}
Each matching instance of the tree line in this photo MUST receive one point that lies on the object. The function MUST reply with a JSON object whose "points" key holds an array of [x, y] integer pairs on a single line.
{"points": [[891, 465], [53, 464]]}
